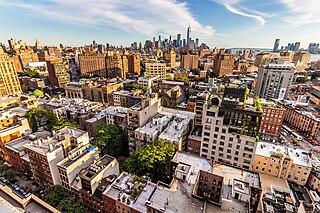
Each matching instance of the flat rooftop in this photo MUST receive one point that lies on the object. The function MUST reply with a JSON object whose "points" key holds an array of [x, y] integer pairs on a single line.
{"points": [[176, 127], [71, 131], [124, 185], [196, 162], [156, 123], [298, 156], [97, 167], [175, 199]]}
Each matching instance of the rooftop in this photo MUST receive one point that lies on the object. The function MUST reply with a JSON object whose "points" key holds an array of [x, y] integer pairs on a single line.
{"points": [[131, 190], [176, 128], [298, 156], [196, 162], [97, 167], [174, 199], [156, 124]]}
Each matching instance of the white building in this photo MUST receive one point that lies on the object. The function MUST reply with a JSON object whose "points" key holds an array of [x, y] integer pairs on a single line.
{"points": [[274, 79]]}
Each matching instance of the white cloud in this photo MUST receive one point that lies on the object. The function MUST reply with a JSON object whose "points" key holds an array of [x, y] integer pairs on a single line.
{"points": [[235, 7], [149, 17], [301, 12]]}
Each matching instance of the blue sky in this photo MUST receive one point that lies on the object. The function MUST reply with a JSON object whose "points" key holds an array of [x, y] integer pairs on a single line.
{"points": [[221, 23]]}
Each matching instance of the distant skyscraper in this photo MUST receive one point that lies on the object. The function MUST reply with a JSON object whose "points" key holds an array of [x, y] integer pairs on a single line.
{"points": [[197, 43], [184, 42], [313, 48], [178, 40], [159, 42], [296, 46], [188, 35], [276, 45]]}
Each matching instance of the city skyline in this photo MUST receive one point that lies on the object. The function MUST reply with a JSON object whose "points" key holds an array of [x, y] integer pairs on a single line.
{"points": [[119, 23]]}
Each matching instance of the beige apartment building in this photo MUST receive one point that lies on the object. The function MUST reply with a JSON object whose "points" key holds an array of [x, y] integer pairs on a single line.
{"points": [[156, 68], [282, 162], [224, 142], [9, 82]]}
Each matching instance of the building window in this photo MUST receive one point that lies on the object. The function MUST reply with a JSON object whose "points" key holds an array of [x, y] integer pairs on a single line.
{"points": [[207, 127], [257, 167], [222, 137], [216, 129], [230, 139], [224, 130]]}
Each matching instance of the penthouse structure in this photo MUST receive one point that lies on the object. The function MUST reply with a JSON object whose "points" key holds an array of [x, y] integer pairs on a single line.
{"points": [[128, 194], [282, 162]]}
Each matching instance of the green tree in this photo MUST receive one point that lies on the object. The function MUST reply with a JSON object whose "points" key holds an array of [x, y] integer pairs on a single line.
{"points": [[38, 117], [31, 73], [302, 80], [54, 195], [63, 123], [137, 87], [184, 79], [71, 205], [24, 87], [8, 172], [111, 140], [169, 78], [151, 160]]}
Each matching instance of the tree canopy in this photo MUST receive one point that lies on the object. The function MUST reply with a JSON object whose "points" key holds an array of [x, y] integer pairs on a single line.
{"points": [[7, 172], [31, 73], [151, 160], [111, 140], [71, 205], [56, 197], [137, 87], [38, 93], [38, 117], [184, 79], [63, 123]]}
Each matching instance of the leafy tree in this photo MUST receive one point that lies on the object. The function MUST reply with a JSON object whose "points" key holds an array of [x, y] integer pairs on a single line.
{"points": [[38, 93], [137, 87], [37, 117], [63, 123], [31, 73], [169, 78], [24, 87], [7, 172], [71, 205], [110, 139], [184, 79], [302, 80], [54, 195], [151, 160]]}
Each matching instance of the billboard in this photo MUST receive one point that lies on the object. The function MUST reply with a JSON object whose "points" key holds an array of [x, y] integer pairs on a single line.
{"points": [[303, 100], [282, 93]]}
